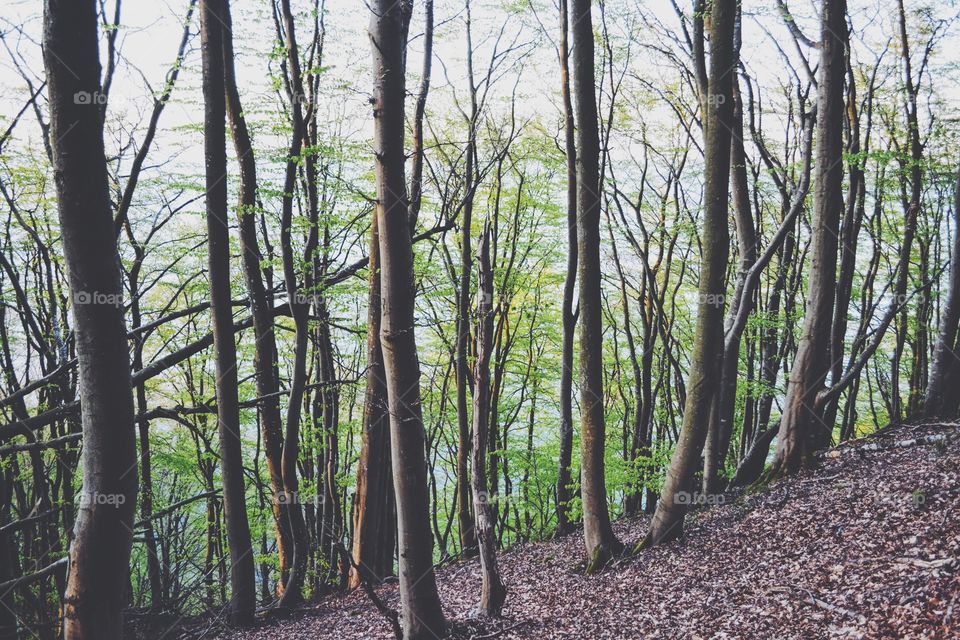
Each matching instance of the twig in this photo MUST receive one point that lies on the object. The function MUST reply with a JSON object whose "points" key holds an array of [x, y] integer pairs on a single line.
{"points": [[496, 634], [389, 613]]}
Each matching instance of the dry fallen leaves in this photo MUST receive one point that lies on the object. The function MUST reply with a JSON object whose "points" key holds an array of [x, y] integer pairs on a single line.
{"points": [[865, 547]]}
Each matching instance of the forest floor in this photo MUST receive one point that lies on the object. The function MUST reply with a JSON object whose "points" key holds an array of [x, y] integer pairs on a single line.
{"points": [[865, 546]]}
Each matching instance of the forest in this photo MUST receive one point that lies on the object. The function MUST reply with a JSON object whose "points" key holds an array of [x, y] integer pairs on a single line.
{"points": [[479, 319]]}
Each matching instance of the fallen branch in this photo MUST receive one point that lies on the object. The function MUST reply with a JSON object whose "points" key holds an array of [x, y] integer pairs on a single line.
{"points": [[822, 604], [497, 634]]}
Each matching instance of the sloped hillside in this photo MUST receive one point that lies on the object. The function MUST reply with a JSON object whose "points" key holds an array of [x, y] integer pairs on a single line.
{"points": [[866, 546]]}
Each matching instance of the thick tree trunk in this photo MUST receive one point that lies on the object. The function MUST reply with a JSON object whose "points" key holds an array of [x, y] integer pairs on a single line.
{"points": [[242, 576], [801, 424], [9, 623], [601, 544], [374, 523], [564, 479], [261, 311], [102, 538], [375, 520], [422, 615], [708, 343], [940, 401], [493, 591]]}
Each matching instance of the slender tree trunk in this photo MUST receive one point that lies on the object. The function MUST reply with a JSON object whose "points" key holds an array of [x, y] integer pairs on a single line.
{"points": [[493, 591], [801, 424], [468, 537], [416, 173], [708, 343], [102, 538], [243, 593], [261, 311], [721, 428], [911, 214], [849, 234], [299, 309], [422, 615], [564, 479], [143, 429], [600, 541]]}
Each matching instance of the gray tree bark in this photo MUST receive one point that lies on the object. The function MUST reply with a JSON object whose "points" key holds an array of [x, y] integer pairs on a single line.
{"points": [[801, 424], [102, 536], [422, 615], [601, 544], [242, 576], [708, 342]]}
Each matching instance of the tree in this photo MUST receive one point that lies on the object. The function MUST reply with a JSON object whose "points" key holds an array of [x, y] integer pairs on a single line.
{"points": [[261, 313], [421, 610], [298, 301], [801, 423], [708, 343], [374, 513], [569, 284], [102, 537], [938, 402], [721, 420], [493, 591], [600, 541], [243, 589]]}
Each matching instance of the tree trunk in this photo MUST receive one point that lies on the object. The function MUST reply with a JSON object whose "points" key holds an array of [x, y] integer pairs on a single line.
{"points": [[299, 309], [261, 311], [422, 615], [493, 591], [243, 593], [102, 538], [947, 352], [375, 520], [721, 428], [564, 479], [9, 623], [708, 343], [911, 212], [600, 542], [468, 537], [801, 424], [374, 524]]}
